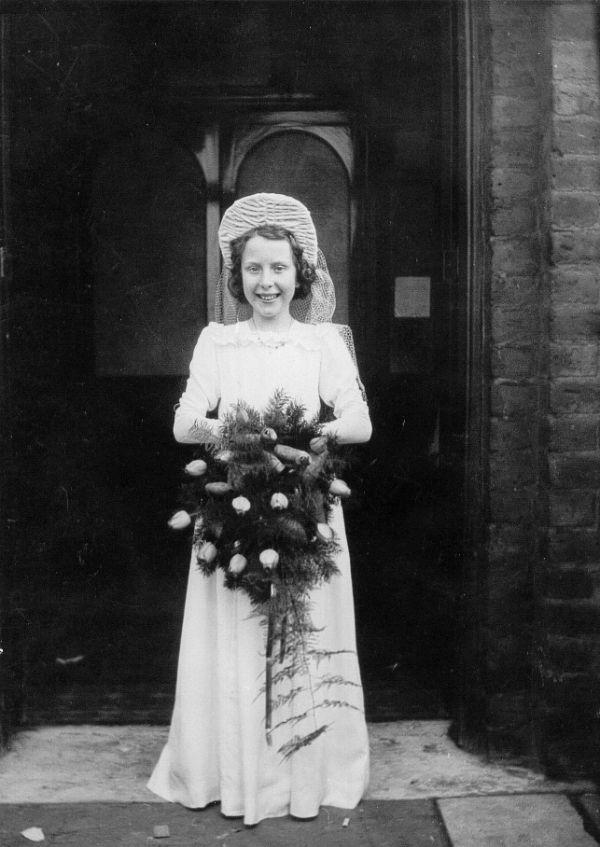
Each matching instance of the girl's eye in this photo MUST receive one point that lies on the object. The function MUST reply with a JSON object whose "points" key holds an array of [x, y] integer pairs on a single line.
{"points": [[279, 268]]}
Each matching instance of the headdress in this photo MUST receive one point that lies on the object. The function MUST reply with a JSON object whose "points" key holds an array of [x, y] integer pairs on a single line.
{"points": [[277, 209]]}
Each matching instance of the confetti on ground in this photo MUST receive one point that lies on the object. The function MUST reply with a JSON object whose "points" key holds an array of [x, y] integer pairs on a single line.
{"points": [[161, 831], [33, 833]]}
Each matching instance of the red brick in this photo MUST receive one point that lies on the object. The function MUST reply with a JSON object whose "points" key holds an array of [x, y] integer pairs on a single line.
{"points": [[515, 111], [567, 544], [576, 322], [575, 285], [514, 362], [512, 470], [575, 210], [572, 654], [579, 134], [574, 21], [577, 246], [512, 506], [578, 692], [518, 256], [576, 174], [509, 608], [515, 325], [514, 401], [510, 184], [574, 471], [575, 60], [503, 707], [574, 433], [573, 360], [575, 397], [506, 663], [516, 30], [572, 508], [572, 618], [568, 583], [519, 219], [574, 97], [515, 291], [512, 148], [514, 77], [511, 435], [511, 740], [507, 541], [573, 752]]}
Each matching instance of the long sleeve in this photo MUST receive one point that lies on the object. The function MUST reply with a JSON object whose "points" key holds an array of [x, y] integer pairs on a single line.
{"points": [[339, 388], [201, 395]]}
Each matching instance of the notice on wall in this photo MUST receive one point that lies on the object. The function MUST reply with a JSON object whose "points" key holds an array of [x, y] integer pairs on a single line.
{"points": [[412, 297]]}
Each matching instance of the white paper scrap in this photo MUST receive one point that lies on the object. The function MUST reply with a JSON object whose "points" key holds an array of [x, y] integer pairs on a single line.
{"points": [[33, 833]]}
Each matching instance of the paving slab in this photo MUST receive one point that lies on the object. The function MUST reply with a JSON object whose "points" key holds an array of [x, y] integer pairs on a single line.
{"points": [[533, 820], [383, 823]]}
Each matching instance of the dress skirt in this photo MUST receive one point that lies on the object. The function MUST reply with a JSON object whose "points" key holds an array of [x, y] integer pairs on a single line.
{"points": [[217, 748]]}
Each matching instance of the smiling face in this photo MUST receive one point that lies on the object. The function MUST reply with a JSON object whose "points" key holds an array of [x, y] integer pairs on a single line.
{"points": [[269, 281]]}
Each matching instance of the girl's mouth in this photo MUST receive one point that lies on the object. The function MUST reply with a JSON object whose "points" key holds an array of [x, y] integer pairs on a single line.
{"points": [[267, 298]]}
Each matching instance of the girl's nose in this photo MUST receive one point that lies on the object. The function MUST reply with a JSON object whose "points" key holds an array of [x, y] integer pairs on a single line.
{"points": [[266, 280]]}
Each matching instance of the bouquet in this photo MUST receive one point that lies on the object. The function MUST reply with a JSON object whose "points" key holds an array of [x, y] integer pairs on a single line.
{"points": [[261, 497]]}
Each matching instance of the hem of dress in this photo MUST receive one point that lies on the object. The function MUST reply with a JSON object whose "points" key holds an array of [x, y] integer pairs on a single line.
{"points": [[252, 820]]}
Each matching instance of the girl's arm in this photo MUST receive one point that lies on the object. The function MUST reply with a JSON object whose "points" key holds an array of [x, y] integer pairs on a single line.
{"points": [[340, 388], [201, 395]]}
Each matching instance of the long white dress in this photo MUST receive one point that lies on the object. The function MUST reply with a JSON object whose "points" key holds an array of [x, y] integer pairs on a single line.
{"points": [[217, 749]]}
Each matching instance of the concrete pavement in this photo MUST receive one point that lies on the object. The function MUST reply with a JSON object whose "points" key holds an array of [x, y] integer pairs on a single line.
{"points": [[547, 820], [85, 787]]}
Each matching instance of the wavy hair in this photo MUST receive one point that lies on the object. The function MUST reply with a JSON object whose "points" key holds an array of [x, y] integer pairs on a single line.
{"points": [[305, 272]]}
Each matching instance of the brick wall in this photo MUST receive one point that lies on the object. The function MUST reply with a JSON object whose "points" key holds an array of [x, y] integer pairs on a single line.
{"points": [[519, 140], [543, 588], [571, 589]]}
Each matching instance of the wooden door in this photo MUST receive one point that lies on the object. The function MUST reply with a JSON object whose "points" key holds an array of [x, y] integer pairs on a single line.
{"points": [[308, 155]]}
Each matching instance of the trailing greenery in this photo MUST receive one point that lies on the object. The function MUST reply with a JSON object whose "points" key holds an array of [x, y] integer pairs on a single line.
{"points": [[261, 497]]}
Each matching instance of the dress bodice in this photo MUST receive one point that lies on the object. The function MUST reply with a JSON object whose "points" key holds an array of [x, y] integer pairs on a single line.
{"points": [[310, 363]]}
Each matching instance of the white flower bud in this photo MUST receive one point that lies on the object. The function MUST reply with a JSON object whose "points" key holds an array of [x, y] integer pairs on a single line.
{"points": [[217, 488], [207, 553], [196, 468], [269, 559], [241, 505], [339, 488], [237, 563], [279, 501], [180, 520], [324, 532]]}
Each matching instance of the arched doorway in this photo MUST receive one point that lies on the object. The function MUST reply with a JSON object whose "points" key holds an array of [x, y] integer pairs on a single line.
{"points": [[379, 124]]}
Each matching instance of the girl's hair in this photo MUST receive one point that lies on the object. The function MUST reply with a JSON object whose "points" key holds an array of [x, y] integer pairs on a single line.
{"points": [[305, 273]]}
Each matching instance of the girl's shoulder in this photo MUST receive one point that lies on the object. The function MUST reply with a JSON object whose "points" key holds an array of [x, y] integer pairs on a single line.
{"points": [[315, 335], [221, 334]]}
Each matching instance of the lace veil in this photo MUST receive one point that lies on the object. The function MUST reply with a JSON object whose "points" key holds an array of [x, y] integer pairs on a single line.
{"points": [[259, 209]]}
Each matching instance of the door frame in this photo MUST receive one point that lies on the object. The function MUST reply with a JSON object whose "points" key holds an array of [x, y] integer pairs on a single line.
{"points": [[473, 89], [473, 95]]}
